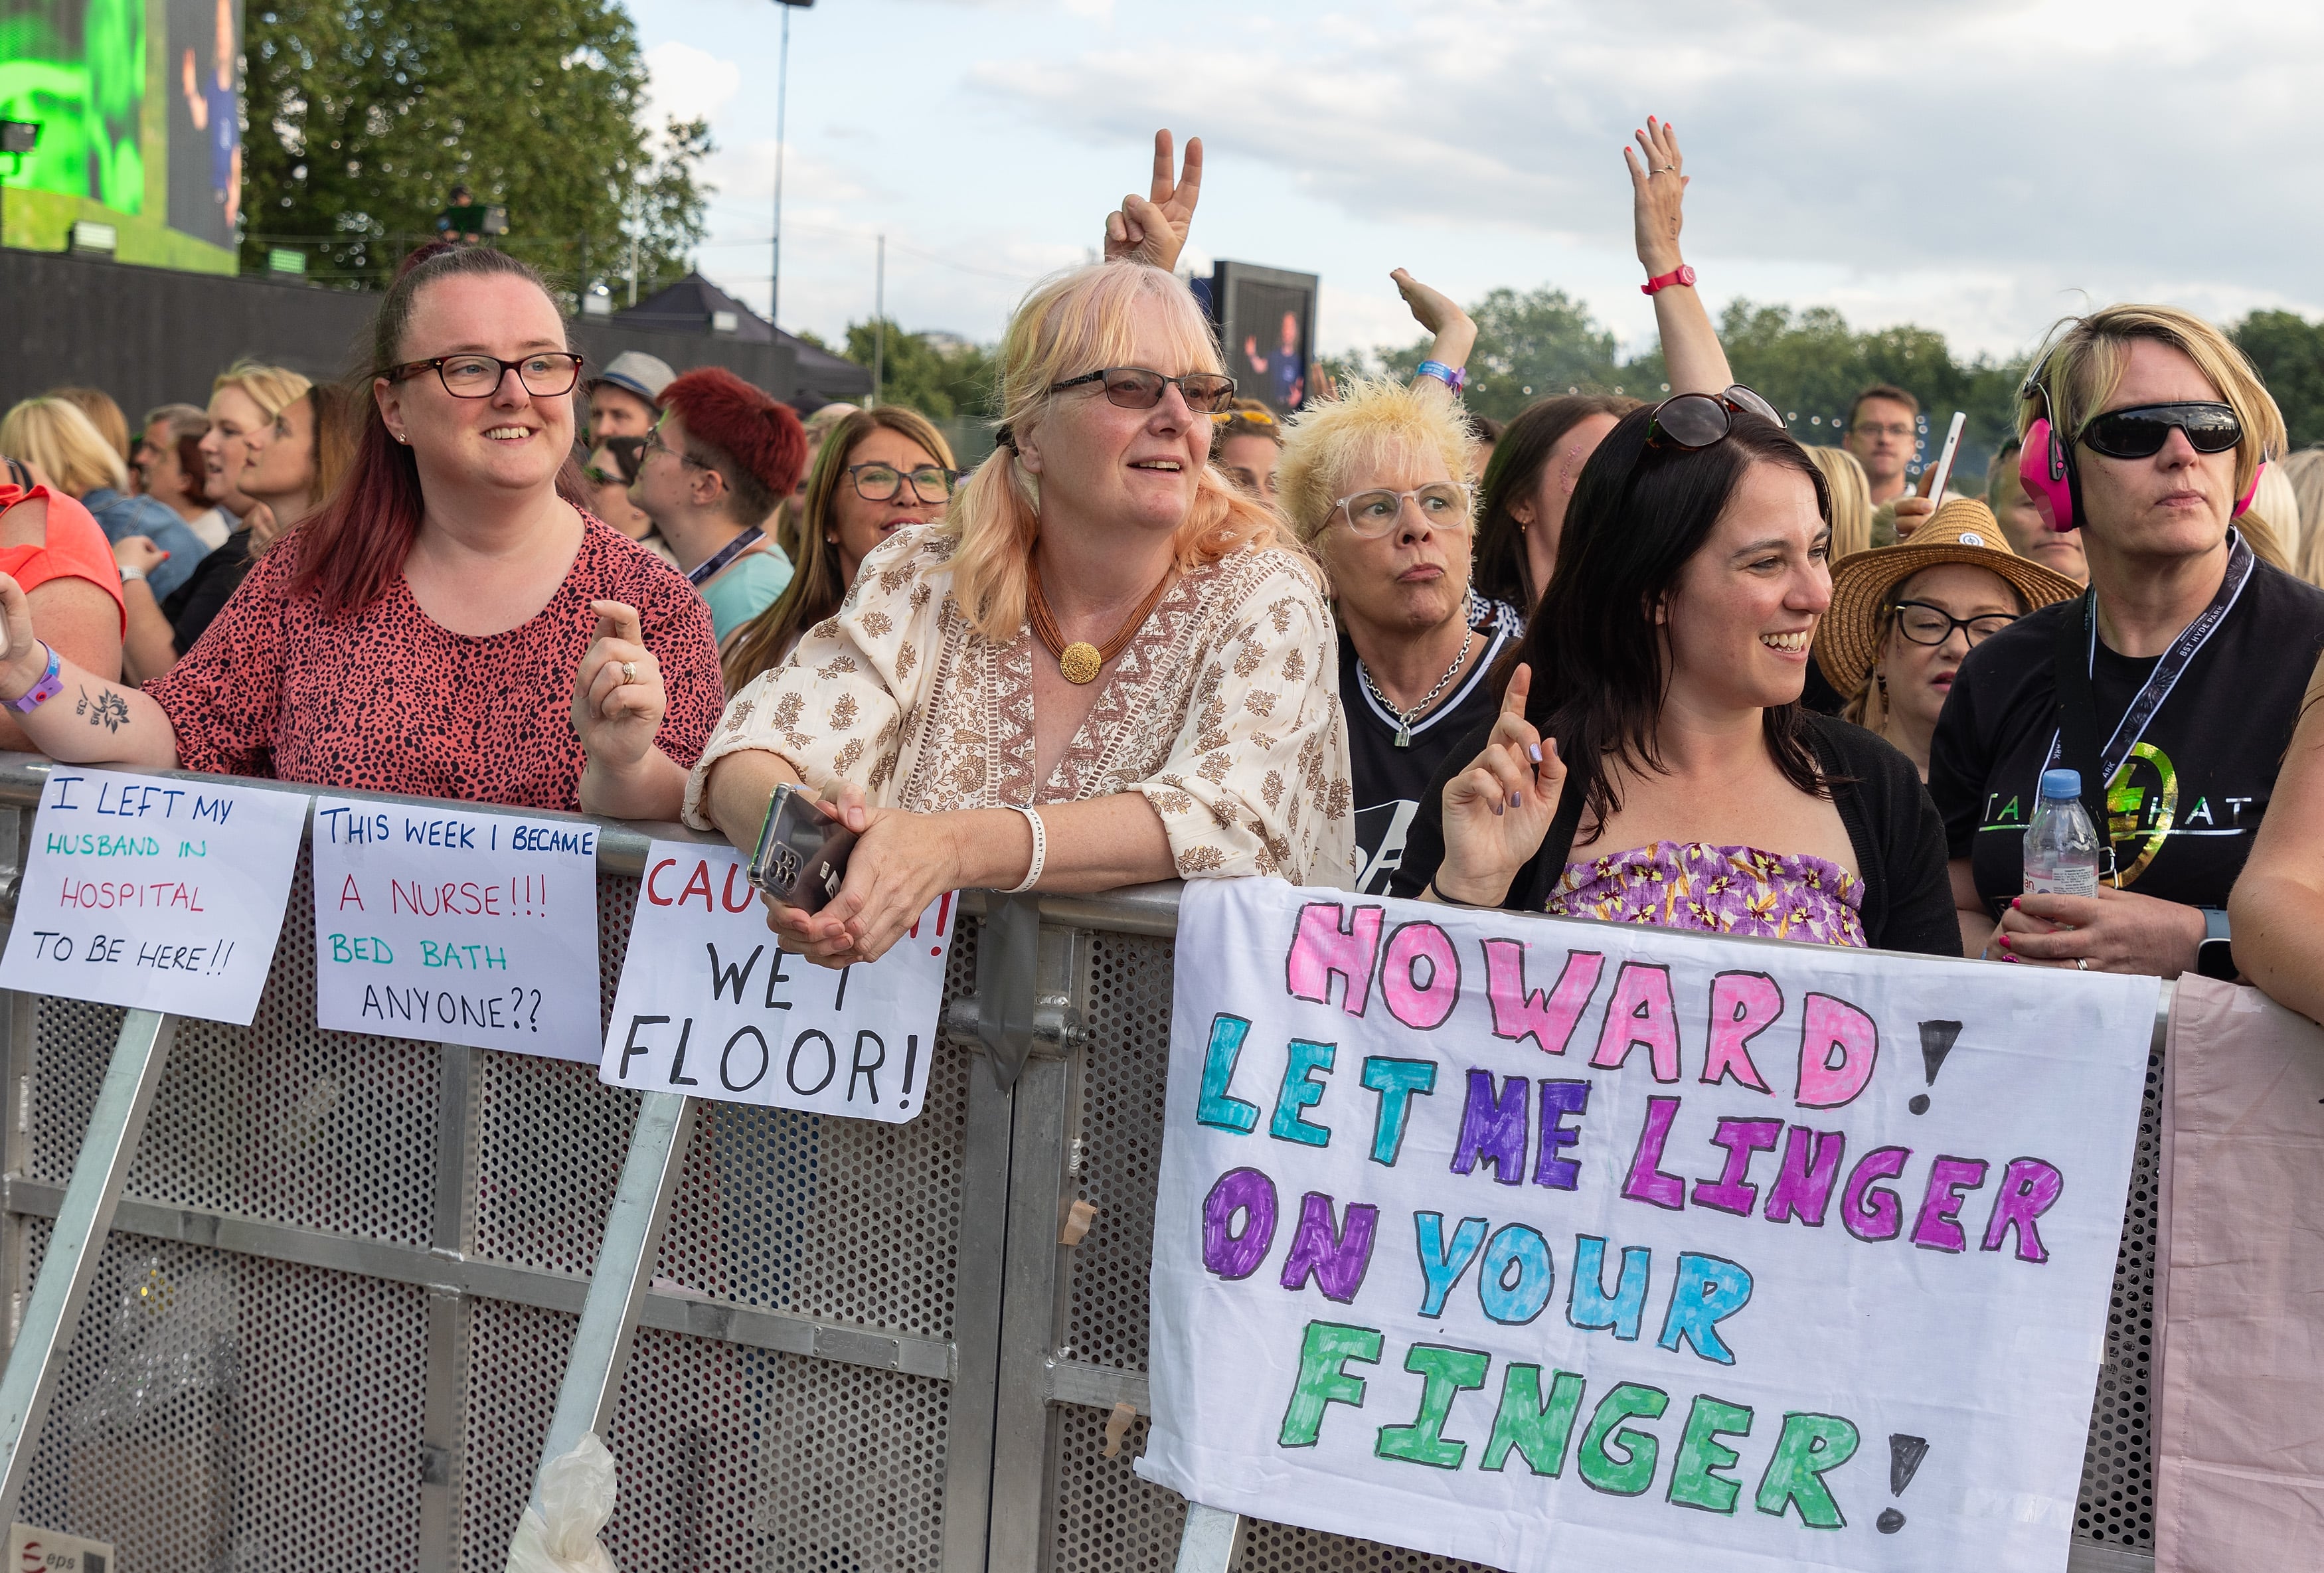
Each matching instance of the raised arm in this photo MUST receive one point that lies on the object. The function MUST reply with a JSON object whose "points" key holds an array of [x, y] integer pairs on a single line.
{"points": [[1152, 229], [89, 719], [1690, 349], [1453, 333]]}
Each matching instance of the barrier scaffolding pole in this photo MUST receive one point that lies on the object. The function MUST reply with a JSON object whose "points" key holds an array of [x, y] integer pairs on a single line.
{"points": [[52, 1314], [1208, 1545], [625, 1264]]}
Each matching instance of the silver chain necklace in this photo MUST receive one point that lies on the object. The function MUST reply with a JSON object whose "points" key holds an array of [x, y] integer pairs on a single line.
{"points": [[1405, 718]]}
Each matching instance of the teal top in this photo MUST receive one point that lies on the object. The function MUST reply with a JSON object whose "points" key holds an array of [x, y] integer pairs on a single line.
{"points": [[749, 586]]}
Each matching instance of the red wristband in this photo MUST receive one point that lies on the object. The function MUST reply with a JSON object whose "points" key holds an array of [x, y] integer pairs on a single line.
{"points": [[1682, 274]]}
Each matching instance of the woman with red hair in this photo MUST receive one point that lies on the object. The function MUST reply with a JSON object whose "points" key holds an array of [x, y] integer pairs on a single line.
{"points": [[419, 634]]}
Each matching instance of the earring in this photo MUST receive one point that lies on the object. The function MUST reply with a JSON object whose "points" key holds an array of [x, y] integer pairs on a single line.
{"points": [[1881, 679]]}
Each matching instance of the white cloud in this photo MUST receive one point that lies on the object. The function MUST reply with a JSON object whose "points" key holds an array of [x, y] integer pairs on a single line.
{"points": [[685, 83]]}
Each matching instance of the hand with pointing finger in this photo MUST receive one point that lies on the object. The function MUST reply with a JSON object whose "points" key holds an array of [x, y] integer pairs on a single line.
{"points": [[618, 700], [1498, 809], [1152, 229]]}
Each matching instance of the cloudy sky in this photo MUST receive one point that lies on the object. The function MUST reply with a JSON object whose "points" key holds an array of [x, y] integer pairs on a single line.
{"points": [[1978, 166]]}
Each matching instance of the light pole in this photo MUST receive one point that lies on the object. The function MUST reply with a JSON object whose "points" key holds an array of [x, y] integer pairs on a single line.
{"points": [[782, 93]]}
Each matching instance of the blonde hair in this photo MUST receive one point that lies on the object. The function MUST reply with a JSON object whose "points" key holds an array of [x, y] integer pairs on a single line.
{"points": [[1373, 420], [1071, 325], [816, 589], [1851, 501], [2305, 471], [53, 434], [273, 388], [103, 414], [2081, 365]]}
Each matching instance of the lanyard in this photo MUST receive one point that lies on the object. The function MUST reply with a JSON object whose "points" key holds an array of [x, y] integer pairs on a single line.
{"points": [[707, 569], [2076, 741]]}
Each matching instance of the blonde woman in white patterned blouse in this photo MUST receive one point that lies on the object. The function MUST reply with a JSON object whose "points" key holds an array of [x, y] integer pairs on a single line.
{"points": [[1102, 627]]}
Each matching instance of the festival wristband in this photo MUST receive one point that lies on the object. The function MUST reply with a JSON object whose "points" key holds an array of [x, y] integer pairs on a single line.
{"points": [[49, 687], [1682, 274], [1453, 377]]}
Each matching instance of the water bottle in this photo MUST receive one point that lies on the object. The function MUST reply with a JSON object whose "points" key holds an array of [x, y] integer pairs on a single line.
{"points": [[2061, 848]]}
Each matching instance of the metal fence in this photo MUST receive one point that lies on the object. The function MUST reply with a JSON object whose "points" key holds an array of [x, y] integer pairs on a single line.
{"points": [[340, 1294]]}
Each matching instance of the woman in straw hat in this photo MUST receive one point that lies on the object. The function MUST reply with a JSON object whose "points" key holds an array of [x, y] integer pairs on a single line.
{"points": [[1902, 619]]}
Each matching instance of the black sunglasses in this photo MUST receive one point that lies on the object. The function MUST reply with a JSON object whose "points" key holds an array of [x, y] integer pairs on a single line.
{"points": [[1136, 388], [1688, 421], [626, 452], [2140, 432]]}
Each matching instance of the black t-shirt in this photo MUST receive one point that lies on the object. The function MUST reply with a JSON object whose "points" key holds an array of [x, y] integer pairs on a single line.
{"points": [[2183, 807], [1390, 781], [194, 604]]}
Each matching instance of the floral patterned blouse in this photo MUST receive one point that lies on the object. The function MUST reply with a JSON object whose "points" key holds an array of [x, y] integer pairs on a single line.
{"points": [[1224, 712], [1737, 891]]}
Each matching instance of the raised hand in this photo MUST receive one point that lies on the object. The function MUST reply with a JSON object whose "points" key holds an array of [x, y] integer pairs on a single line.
{"points": [[618, 699], [1498, 809], [1657, 188], [1454, 332], [1152, 229]]}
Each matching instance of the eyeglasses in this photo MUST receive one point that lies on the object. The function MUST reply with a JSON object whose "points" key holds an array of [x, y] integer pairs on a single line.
{"points": [[1875, 428], [544, 376], [1136, 388], [1688, 421], [885, 482], [625, 453], [2140, 432], [1444, 504], [651, 443], [1924, 624]]}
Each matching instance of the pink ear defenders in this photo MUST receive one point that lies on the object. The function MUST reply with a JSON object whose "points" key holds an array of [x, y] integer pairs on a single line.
{"points": [[2046, 466]]}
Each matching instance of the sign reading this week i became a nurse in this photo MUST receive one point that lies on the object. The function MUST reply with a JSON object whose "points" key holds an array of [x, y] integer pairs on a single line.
{"points": [[457, 927], [159, 893]]}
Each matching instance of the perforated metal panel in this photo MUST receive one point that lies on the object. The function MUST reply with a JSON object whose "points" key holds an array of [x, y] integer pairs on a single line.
{"points": [[2117, 1502]]}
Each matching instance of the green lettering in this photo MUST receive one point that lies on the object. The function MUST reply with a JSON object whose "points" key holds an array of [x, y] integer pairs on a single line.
{"points": [[1811, 1445], [1323, 1353], [1630, 1473], [1444, 1375], [1538, 1430], [1695, 1480]]}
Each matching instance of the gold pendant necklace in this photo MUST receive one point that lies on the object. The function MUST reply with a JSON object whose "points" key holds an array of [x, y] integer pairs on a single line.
{"points": [[1080, 662]]}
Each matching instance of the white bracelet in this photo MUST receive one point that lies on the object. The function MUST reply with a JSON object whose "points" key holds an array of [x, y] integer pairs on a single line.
{"points": [[1040, 850], [131, 575]]}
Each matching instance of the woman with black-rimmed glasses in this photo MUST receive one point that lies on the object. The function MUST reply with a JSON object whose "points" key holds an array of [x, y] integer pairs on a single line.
{"points": [[879, 471], [447, 625], [2171, 687], [1651, 761]]}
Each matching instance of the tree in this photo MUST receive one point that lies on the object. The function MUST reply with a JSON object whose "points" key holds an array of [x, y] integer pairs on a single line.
{"points": [[1528, 347], [364, 115], [2289, 352], [938, 375]]}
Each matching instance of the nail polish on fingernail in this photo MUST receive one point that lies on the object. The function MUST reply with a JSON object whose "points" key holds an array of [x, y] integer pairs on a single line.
{"points": [[1517, 800], [2004, 939], [2017, 900], [2012, 960], [1534, 750], [1497, 808]]}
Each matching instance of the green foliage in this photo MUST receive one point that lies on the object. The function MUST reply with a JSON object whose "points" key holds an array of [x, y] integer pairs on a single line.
{"points": [[2289, 351], [937, 376], [1528, 347], [364, 115]]}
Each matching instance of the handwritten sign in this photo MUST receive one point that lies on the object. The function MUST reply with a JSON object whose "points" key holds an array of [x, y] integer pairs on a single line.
{"points": [[708, 1006], [457, 927], [1562, 1246], [159, 893]]}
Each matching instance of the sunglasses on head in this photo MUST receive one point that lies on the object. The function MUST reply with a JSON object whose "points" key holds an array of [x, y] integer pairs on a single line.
{"points": [[1688, 421], [1136, 388], [2140, 431]]}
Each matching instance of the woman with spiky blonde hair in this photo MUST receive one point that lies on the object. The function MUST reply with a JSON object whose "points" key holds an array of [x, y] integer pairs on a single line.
{"points": [[1104, 666]]}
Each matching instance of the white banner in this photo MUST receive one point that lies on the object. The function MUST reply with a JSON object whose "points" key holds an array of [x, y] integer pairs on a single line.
{"points": [[709, 1005], [457, 927], [161, 894], [1563, 1245]]}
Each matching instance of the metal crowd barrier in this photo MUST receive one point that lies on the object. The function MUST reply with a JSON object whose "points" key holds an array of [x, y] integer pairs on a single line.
{"points": [[354, 1290]]}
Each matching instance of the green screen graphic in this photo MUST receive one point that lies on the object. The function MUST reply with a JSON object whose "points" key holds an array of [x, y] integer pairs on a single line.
{"points": [[139, 104]]}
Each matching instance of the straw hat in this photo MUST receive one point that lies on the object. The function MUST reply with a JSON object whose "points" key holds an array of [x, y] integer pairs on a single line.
{"points": [[1963, 530]]}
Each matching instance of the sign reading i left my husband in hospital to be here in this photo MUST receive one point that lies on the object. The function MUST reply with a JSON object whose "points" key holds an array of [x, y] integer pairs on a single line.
{"points": [[457, 927], [161, 894], [1567, 1246]]}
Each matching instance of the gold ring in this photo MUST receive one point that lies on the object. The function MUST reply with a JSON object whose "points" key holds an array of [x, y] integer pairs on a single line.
{"points": [[629, 671], [1665, 168]]}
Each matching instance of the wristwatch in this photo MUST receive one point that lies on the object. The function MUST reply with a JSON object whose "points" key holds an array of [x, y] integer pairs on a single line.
{"points": [[1682, 274], [2214, 957]]}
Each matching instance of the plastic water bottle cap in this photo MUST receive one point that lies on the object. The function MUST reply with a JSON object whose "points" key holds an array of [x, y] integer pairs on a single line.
{"points": [[2065, 784]]}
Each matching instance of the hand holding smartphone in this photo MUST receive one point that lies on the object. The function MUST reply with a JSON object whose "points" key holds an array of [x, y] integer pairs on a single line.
{"points": [[1937, 476], [802, 853]]}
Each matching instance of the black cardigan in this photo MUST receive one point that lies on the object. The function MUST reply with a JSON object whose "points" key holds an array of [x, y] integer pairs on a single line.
{"points": [[1898, 837]]}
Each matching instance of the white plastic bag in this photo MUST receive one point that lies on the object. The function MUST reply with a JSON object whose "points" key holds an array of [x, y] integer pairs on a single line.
{"points": [[578, 1491]]}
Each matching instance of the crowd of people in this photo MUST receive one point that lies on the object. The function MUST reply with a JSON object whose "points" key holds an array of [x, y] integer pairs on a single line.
{"points": [[1647, 662]]}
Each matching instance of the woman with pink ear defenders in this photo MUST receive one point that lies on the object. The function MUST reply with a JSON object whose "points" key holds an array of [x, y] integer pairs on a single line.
{"points": [[2171, 687]]}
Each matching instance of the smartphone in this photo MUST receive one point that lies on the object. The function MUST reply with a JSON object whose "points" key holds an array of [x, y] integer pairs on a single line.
{"points": [[1941, 471], [802, 852]]}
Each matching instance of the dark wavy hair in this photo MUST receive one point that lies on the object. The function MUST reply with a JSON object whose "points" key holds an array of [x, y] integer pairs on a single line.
{"points": [[354, 548], [1521, 452], [1599, 667]]}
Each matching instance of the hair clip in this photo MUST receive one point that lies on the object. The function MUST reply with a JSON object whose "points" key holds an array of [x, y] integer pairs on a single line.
{"points": [[1005, 439]]}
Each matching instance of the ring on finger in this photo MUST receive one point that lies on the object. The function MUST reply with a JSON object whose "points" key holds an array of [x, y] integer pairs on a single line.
{"points": [[629, 671], [2081, 963]]}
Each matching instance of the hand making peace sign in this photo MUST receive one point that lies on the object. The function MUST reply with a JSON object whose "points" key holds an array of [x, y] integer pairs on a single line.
{"points": [[1153, 229]]}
